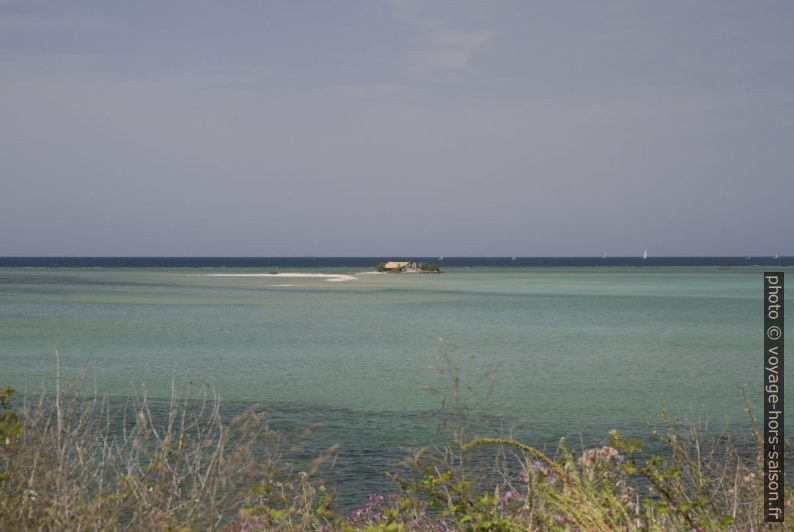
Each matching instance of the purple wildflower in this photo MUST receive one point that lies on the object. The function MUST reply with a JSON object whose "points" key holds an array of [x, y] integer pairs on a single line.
{"points": [[507, 497], [539, 467]]}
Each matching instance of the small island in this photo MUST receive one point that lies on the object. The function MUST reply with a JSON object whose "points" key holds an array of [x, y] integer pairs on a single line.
{"points": [[407, 267]]}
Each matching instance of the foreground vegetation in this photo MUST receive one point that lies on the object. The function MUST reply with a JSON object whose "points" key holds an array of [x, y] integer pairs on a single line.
{"points": [[72, 463]]}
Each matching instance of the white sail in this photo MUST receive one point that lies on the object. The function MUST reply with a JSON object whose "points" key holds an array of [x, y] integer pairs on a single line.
{"points": [[645, 254], [605, 255]]}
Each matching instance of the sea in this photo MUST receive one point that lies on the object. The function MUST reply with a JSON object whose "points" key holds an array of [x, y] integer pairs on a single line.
{"points": [[535, 348]]}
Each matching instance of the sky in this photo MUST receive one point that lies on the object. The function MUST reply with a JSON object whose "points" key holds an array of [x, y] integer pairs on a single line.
{"points": [[404, 128]]}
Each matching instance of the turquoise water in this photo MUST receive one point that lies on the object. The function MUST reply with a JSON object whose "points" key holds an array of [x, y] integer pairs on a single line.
{"points": [[569, 349]]}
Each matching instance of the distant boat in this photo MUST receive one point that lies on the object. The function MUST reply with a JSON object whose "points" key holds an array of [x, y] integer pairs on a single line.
{"points": [[748, 257], [441, 258], [513, 258], [605, 255], [777, 254], [645, 255]]}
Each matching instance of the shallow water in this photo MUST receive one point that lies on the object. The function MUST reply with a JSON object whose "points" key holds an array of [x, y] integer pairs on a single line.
{"points": [[569, 350]]}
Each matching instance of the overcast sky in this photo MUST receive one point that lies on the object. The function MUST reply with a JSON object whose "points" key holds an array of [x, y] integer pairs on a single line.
{"points": [[396, 128]]}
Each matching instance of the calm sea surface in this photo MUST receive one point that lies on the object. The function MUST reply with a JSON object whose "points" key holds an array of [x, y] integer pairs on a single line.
{"points": [[572, 346]]}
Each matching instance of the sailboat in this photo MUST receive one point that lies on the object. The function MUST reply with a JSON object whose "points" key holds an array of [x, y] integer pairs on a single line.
{"points": [[513, 258], [645, 255], [441, 258], [605, 255], [777, 253]]}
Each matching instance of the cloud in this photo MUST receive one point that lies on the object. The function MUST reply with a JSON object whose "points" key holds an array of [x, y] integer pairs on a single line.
{"points": [[449, 48], [453, 49]]}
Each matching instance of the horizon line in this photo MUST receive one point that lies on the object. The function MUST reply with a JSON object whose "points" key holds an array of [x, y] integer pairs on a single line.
{"points": [[379, 256]]}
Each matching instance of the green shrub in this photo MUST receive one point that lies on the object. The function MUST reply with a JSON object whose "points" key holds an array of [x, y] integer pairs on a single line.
{"points": [[63, 468]]}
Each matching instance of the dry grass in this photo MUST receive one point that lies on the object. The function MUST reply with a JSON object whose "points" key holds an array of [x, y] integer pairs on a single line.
{"points": [[69, 462], [79, 464]]}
